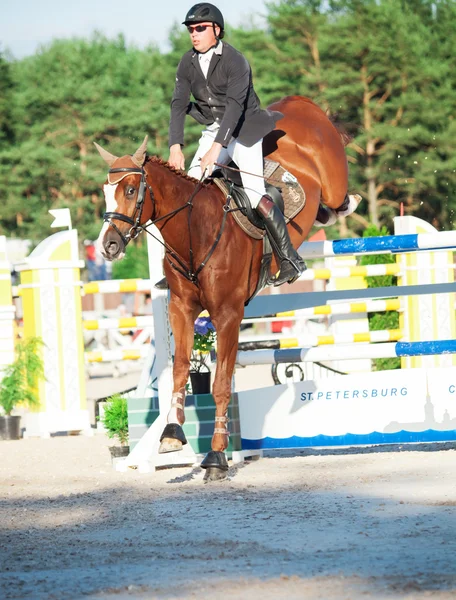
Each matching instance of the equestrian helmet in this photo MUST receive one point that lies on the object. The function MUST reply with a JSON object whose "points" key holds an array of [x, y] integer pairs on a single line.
{"points": [[204, 11]]}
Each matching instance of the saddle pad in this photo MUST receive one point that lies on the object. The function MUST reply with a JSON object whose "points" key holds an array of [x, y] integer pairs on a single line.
{"points": [[294, 197]]}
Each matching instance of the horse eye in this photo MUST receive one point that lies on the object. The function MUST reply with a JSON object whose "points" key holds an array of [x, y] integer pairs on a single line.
{"points": [[130, 191]]}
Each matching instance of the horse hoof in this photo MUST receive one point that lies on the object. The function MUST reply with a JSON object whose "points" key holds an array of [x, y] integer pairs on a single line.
{"points": [[215, 474], [169, 445], [173, 431], [215, 460]]}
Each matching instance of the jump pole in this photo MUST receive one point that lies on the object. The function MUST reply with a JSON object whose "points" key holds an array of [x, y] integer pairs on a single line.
{"points": [[388, 244], [345, 352], [280, 340], [333, 309]]}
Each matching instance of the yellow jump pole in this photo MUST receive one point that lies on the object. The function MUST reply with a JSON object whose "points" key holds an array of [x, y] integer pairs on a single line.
{"points": [[7, 309], [51, 297]]}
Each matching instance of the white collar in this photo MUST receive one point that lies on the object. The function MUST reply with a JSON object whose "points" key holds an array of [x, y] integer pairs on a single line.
{"points": [[206, 57], [215, 50]]}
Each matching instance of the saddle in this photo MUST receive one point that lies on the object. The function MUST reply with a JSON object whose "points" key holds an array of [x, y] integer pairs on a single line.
{"points": [[285, 191]]}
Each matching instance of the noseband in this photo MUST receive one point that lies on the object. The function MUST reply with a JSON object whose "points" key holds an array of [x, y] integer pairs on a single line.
{"points": [[134, 221]]}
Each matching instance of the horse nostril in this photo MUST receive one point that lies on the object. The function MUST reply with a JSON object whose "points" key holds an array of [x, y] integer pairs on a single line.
{"points": [[112, 248]]}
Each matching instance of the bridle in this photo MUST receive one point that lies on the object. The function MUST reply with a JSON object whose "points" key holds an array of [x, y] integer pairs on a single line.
{"points": [[188, 271], [134, 221]]}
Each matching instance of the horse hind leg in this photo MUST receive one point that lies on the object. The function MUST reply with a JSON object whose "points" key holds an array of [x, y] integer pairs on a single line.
{"points": [[349, 205], [327, 216]]}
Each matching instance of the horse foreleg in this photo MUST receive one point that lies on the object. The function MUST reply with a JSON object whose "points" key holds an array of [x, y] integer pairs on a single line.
{"points": [[182, 318], [227, 327]]}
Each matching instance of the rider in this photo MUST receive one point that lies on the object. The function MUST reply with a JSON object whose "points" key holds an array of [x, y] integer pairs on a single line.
{"points": [[220, 80]]}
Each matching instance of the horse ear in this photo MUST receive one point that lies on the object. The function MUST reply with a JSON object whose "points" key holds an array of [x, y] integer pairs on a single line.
{"points": [[139, 157], [105, 155]]}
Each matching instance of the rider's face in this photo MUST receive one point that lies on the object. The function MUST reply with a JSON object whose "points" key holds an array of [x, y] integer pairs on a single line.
{"points": [[203, 40]]}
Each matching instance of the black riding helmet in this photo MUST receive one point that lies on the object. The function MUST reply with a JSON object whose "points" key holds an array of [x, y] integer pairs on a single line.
{"points": [[204, 11]]}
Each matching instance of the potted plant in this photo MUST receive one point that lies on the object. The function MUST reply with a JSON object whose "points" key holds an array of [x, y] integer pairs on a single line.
{"points": [[115, 421], [18, 385], [203, 343]]}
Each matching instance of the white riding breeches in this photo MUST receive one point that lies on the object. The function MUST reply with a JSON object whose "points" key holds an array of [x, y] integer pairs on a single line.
{"points": [[247, 159]]}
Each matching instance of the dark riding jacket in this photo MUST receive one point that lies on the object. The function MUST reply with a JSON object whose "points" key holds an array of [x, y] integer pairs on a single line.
{"points": [[226, 97]]}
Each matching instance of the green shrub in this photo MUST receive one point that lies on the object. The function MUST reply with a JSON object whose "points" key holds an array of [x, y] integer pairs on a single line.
{"points": [[115, 418], [20, 379], [382, 320]]}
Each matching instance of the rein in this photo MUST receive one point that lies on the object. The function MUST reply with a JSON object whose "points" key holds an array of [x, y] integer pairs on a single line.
{"points": [[189, 271], [248, 173]]}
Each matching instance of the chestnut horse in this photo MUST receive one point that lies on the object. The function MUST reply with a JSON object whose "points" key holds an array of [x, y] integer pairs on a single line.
{"points": [[142, 189]]}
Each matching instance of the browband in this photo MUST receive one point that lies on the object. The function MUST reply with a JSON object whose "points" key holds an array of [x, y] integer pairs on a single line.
{"points": [[125, 170]]}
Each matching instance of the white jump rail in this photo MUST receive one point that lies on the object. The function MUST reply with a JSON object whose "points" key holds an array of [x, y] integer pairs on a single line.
{"points": [[388, 244], [348, 352]]}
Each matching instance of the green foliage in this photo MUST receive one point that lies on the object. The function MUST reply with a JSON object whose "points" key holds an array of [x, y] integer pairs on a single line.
{"points": [[6, 100], [20, 379], [204, 343], [135, 264], [383, 320], [387, 68], [115, 418], [67, 96], [378, 259]]}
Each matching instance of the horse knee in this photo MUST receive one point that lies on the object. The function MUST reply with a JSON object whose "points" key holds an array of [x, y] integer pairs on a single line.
{"points": [[221, 390]]}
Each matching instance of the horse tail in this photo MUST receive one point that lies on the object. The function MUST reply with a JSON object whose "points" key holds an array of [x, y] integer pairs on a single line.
{"points": [[345, 136]]}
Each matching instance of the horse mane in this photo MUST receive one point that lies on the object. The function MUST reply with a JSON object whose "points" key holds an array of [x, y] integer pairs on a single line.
{"points": [[164, 163]]}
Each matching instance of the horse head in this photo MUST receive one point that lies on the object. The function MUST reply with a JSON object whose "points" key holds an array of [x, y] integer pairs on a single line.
{"points": [[129, 201]]}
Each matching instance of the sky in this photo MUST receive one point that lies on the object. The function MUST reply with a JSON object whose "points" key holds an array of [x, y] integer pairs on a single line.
{"points": [[26, 25]]}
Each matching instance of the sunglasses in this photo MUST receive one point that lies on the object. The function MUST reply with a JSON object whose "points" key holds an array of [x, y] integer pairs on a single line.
{"points": [[197, 28]]}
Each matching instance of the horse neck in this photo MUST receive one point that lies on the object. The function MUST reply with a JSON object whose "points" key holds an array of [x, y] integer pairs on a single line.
{"points": [[171, 192]]}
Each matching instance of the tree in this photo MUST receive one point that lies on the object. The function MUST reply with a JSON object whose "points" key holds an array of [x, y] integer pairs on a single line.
{"points": [[297, 27], [386, 68], [6, 101], [67, 96]]}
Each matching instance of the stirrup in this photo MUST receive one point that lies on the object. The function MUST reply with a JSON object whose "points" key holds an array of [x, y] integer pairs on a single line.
{"points": [[290, 276]]}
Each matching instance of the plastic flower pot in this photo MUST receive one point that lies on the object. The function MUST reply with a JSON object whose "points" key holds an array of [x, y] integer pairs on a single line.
{"points": [[119, 451], [10, 427], [201, 382]]}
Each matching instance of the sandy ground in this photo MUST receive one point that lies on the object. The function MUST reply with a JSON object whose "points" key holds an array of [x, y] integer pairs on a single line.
{"points": [[329, 525]]}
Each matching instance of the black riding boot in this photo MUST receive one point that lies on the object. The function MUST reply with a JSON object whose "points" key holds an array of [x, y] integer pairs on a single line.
{"points": [[162, 284], [291, 264]]}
